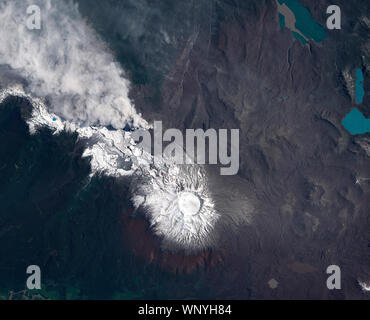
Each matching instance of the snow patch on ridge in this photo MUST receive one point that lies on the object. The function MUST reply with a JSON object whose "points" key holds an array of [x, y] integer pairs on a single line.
{"points": [[365, 286]]}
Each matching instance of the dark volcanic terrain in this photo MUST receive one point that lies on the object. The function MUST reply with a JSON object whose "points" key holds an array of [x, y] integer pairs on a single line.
{"points": [[208, 64]]}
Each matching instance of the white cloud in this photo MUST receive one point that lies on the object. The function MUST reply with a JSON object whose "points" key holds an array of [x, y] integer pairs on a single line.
{"points": [[66, 63]]}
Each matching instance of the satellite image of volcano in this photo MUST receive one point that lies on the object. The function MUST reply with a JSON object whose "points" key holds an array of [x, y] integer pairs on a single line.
{"points": [[161, 149]]}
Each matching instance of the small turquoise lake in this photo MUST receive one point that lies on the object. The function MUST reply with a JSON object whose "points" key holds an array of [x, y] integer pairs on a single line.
{"points": [[356, 123]]}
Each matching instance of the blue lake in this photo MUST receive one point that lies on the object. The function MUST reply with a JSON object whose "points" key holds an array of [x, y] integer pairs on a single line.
{"points": [[360, 92], [356, 123], [305, 22]]}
